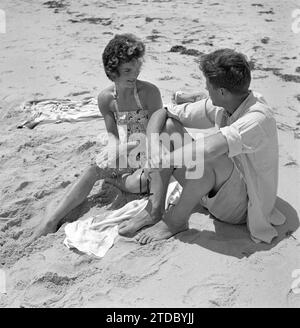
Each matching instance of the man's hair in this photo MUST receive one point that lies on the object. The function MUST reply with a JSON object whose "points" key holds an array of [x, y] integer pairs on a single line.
{"points": [[121, 49], [226, 68]]}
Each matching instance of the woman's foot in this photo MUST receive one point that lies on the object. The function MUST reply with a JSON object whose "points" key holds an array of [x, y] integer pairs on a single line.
{"points": [[48, 224], [159, 231], [44, 228]]}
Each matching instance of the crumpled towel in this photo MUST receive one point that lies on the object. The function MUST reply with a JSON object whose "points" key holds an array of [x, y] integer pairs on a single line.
{"points": [[59, 110], [96, 236]]}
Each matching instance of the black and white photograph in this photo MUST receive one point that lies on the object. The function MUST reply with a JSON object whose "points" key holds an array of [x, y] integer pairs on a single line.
{"points": [[150, 156]]}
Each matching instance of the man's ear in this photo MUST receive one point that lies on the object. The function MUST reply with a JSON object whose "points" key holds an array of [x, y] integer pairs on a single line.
{"points": [[222, 91]]}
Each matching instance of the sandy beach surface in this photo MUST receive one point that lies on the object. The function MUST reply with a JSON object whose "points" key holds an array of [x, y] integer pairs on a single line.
{"points": [[53, 50]]}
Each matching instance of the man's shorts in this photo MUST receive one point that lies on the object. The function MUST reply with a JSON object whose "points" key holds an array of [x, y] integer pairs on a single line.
{"points": [[230, 203]]}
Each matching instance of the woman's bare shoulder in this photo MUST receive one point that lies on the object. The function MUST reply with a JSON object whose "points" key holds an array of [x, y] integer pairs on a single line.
{"points": [[105, 99], [149, 92], [149, 95], [147, 86]]}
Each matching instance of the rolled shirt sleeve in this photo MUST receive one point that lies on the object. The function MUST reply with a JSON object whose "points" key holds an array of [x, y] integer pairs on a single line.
{"points": [[246, 135], [191, 115]]}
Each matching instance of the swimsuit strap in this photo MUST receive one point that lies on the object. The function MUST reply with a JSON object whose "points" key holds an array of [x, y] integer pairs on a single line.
{"points": [[136, 97], [116, 101]]}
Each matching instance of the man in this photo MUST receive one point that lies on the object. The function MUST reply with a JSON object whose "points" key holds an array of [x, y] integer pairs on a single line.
{"points": [[240, 176]]}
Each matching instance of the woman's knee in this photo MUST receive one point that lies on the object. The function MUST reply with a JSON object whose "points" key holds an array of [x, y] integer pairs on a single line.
{"points": [[94, 172], [171, 125]]}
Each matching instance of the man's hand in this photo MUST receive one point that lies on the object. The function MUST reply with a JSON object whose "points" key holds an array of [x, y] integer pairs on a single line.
{"points": [[180, 97]]}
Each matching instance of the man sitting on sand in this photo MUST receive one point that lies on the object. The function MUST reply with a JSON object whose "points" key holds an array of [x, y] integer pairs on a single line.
{"points": [[240, 175]]}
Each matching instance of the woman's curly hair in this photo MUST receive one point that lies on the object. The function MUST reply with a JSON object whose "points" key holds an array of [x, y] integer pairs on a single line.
{"points": [[121, 49]]}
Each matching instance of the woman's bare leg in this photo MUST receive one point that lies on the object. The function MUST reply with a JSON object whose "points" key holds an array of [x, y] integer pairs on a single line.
{"points": [[78, 193], [134, 183]]}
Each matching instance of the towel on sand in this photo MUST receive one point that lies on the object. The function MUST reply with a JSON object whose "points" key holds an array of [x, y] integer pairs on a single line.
{"points": [[96, 235], [54, 110], [59, 110]]}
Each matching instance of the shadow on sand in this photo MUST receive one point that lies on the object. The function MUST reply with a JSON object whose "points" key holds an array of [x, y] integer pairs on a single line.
{"points": [[234, 240], [109, 198]]}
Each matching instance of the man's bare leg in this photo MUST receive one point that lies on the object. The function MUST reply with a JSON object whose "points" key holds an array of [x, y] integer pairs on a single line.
{"points": [[176, 220], [158, 188], [77, 194], [215, 175]]}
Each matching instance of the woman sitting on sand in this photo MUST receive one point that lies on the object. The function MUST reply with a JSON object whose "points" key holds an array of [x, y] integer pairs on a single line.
{"points": [[127, 102]]}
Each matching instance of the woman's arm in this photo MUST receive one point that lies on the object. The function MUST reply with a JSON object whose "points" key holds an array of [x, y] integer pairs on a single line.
{"points": [[153, 98], [104, 101]]}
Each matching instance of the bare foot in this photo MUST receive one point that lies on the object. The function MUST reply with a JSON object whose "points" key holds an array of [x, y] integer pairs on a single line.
{"points": [[47, 225], [130, 227], [159, 231]]}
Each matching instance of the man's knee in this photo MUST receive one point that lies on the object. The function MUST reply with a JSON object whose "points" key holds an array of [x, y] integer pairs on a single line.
{"points": [[207, 173]]}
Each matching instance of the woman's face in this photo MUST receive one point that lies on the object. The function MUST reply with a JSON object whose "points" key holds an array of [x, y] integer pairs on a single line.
{"points": [[129, 72]]}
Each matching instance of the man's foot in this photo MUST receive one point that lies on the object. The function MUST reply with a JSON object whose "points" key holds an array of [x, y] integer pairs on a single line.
{"points": [[159, 231], [130, 227]]}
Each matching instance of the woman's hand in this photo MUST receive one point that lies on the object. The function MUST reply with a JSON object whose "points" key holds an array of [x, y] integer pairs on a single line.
{"points": [[159, 157]]}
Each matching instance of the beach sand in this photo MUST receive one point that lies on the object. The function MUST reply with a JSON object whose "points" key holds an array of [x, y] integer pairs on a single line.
{"points": [[54, 50]]}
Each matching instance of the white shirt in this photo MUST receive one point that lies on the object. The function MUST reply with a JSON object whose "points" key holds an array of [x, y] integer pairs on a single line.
{"points": [[251, 134]]}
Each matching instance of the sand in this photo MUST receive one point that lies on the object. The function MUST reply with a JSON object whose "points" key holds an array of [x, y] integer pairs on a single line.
{"points": [[54, 51]]}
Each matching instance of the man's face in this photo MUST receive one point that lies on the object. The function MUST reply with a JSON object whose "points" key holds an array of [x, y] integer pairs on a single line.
{"points": [[214, 94]]}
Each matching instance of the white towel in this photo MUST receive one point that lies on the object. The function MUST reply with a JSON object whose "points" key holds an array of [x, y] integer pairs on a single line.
{"points": [[96, 236]]}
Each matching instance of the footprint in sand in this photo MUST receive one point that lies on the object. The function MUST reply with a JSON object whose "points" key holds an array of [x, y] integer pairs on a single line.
{"points": [[46, 290], [23, 185], [211, 292]]}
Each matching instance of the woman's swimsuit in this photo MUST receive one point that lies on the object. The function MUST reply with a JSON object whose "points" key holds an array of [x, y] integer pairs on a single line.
{"points": [[135, 121], [130, 122]]}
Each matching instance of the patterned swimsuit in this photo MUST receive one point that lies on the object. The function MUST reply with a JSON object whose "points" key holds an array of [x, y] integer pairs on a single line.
{"points": [[129, 122]]}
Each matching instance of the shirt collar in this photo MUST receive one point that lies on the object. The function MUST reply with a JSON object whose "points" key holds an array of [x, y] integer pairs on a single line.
{"points": [[249, 101]]}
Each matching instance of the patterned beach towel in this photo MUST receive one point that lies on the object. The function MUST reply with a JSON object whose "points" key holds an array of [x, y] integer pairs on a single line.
{"points": [[45, 111]]}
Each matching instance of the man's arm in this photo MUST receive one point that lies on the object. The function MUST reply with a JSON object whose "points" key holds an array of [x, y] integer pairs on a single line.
{"points": [[208, 148], [248, 134], [197, 115]]}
